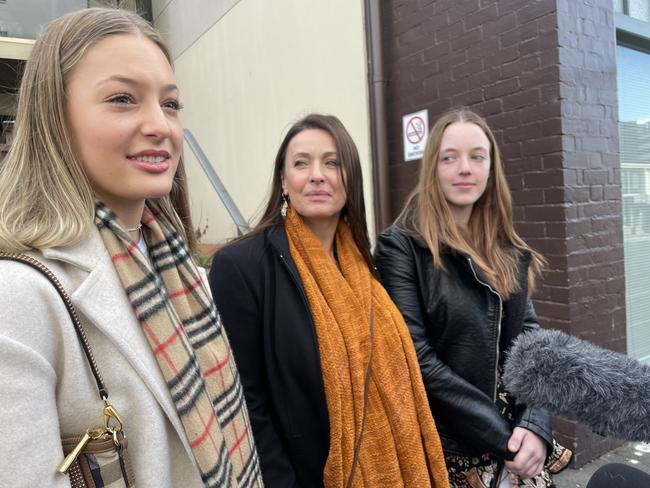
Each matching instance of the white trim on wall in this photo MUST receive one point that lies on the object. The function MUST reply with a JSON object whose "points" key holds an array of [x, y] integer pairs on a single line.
{"points": [[14, 48]]}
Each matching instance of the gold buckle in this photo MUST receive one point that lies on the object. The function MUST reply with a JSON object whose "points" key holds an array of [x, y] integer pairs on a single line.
{"points": [[111, 413]]}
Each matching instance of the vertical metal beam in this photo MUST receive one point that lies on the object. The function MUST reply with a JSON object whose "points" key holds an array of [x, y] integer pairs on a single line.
{"points": [[378, 133]]}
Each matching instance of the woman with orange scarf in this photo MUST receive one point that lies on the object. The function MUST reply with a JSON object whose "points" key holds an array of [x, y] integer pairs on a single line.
{"points": [[329, 371]]}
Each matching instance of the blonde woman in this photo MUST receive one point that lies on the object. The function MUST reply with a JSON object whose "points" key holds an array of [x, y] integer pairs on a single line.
{"points": [[93, 187], [461, 276]]}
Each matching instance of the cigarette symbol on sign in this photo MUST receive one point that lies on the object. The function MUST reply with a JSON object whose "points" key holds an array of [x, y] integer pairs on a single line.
{"points": [[415, 130]]}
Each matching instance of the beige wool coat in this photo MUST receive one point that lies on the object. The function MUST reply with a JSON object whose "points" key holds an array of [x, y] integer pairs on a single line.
{"points": [[47, 389]]}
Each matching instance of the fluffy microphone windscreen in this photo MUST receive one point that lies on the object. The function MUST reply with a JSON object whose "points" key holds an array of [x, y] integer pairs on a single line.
{"points": [[575, 379]]}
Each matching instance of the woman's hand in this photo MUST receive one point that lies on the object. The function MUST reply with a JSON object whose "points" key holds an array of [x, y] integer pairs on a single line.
{"points": [[530, 452]]}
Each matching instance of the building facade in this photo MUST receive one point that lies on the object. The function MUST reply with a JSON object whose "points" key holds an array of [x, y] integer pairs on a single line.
{"points": [[562, 82]]}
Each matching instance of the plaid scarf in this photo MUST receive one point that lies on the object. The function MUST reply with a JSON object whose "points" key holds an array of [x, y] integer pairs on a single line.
{"points": [[400, 446], [185, 333]]}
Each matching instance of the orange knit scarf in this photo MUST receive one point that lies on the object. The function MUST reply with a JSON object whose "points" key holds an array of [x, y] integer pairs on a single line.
{"points": [[400, 445]]}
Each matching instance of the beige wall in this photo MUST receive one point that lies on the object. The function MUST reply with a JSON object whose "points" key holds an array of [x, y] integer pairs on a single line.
{"points": [[250, 75], [183, 21]]}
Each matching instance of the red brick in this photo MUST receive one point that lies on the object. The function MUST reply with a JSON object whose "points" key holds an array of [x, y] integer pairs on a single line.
{"points": [[534, 10], [552, 161], [520, 65], [460, 10], [522, 132], [526, 196], [522, 99], [555, 195], [488, 107], [467, 98], [498, 25], [553, 309], [501, 88], [530, 229], [577, 194], [470, 38], [501, 56], [486, 47], [480, 17], [546, 213], [521, 33], [466, 68], [543, 145], [435, 51], [594, 177]]}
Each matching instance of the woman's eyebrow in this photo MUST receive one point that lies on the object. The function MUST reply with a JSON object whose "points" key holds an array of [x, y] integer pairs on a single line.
{"points": [[132, 81]]}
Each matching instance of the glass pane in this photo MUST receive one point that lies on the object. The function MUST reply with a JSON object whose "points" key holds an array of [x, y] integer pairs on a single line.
{"points": [[639, 9], [634, 131], [24, 18], [618, 6]]}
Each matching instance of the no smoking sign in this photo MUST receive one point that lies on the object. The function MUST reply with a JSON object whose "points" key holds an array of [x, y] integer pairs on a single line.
{"points": [[415, 128]]}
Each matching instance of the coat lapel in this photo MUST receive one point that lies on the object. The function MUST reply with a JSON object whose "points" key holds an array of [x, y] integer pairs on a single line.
{"points": [[98, 295]]}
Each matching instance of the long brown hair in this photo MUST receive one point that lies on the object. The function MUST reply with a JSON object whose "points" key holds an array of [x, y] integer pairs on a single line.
{"points": [[354, 211], [46, 199], [490, 238]]}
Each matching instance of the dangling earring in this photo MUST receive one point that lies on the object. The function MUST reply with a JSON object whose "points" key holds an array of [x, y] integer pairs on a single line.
{"points": [[285, 206]]}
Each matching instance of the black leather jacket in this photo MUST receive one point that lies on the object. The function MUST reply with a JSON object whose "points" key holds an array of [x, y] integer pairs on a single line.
{"points": [[461, 329]]}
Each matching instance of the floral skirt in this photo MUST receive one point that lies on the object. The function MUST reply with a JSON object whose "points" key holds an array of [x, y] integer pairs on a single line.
{"points": [[484, 471]]}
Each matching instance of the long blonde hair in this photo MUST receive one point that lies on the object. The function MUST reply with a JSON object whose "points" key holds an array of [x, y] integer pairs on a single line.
{"points": [[490, 238], [46, 199]]}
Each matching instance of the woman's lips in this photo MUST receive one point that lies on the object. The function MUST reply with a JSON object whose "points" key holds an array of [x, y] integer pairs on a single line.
{"points": [[151, 161], [317, 195]]}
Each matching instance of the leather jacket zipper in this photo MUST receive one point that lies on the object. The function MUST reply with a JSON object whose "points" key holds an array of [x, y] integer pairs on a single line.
{"points": [[496, 366]]}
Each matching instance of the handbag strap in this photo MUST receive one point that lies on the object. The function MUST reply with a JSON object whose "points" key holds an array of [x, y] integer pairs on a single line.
{"points": [[81, 334]]}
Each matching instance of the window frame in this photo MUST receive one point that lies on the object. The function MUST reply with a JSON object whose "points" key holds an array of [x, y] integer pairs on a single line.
{"points": [[632, 33]]}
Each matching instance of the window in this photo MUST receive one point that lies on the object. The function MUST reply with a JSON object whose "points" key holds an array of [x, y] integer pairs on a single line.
{"points": [[638, 9], [24, 18], [633, 65]]}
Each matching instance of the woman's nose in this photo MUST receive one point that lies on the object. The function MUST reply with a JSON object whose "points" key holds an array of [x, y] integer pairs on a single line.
{"points": [[154, 121], [464, 165], [316, 172]]}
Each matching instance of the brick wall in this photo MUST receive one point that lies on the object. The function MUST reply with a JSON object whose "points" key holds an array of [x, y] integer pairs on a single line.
{"points": [[543, 74], [594, 229]]}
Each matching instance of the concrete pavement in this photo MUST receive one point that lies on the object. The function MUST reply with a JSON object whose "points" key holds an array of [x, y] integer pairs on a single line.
{"points": [[634, 453]]}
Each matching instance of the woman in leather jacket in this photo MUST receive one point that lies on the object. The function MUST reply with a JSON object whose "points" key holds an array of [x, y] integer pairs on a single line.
{"points": [[461, 276]]}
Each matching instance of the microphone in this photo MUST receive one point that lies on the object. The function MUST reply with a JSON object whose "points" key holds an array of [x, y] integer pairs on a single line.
{"points": [[575, 379]]}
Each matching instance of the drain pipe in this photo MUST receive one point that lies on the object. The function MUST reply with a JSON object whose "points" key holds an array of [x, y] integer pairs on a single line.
{"points": [[378, 132]]}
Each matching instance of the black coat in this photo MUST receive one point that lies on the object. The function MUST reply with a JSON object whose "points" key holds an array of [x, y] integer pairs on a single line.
{"points": [[461, 329], [259, 294]]}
